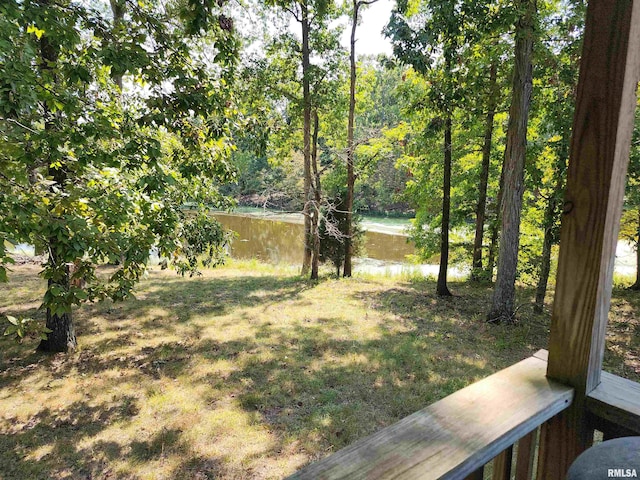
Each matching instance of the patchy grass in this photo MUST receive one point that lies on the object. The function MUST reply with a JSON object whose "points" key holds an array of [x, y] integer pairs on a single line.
{"points": [[248, 371]]}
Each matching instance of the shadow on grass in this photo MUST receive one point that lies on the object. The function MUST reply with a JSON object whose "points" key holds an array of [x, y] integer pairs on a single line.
{"points": [[622, 353], [315, 383], [171, 301], [457, 323], [60, 432]]}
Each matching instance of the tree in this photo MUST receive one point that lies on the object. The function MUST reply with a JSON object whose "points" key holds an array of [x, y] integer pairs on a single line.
{"points": [[327, 101], [351, 177], [492, 103], [313, 18], [431, 38], [562, 60], [268, 142], [503, 302], [92, 172]]}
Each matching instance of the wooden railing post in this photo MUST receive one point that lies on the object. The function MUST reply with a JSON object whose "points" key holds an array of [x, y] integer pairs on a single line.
{"points": [[502, 465], [526, 455], [602, 128]]}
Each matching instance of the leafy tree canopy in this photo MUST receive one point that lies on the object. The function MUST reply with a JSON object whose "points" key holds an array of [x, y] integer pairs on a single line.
{"points": [[90, 172]]}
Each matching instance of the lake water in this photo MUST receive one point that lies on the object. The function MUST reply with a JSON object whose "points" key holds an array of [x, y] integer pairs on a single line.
{"points": [[275, 240]]}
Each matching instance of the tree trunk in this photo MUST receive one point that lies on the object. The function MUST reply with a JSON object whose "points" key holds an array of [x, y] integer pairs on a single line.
{"points": [[317, 198], [476, 271], [441, 288], [503, 304], [495, 227], [306, 100], [550, 215], [351, 179], [117, 9], [545, 262], [62, 337]]}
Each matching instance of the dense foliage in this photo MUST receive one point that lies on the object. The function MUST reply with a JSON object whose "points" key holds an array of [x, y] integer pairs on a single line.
{"points": [[112, 120], [116, 116]]}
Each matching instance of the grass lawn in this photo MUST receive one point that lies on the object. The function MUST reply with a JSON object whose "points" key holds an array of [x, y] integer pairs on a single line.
{"points": [[249, 371]]}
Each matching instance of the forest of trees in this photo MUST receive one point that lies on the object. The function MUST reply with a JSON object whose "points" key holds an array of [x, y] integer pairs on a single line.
{"points": [[465, 127], [114, 115]]}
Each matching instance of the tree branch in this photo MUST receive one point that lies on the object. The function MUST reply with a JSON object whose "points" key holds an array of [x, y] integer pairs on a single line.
{"points": [[18, 123], [293, 13], [364, 2]]}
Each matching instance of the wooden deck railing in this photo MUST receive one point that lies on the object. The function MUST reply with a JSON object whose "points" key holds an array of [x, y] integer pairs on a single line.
{"points": [[614, 406], [457, 436]]}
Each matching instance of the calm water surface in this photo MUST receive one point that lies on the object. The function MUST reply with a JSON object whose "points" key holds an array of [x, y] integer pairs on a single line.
{"points": [[277, 241]]}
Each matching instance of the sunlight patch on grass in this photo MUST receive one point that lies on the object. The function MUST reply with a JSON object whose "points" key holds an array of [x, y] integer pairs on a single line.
{"points": [[249, 371], [40, 452]]}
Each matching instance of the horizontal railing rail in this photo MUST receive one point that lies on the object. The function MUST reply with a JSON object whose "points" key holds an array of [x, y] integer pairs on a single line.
{"points": [[617, 401], [456, 436]]}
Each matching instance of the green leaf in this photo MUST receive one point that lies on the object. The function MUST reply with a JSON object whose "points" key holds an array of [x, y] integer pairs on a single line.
{"points": [[81, 294], [10, 330], [12, 320], [56, 290]]}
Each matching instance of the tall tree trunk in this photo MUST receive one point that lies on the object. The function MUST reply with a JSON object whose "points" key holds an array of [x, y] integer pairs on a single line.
{"points": [[317, 198], [117, 9], [476, 271], [547, 244], [441, 288], [504, 294], [495, 226], [306, 100], [549, 222], [351, 178], [62, 337]]}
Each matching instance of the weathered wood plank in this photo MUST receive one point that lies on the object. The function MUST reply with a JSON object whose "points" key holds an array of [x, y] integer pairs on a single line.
{"points": [[601, 137], [452, 438], [617, 400], [526, 455], [553, 452], [502, 465], [542, 355]]}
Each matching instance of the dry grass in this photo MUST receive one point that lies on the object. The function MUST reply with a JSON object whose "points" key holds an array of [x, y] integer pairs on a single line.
{"points": [[247, 371]]}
